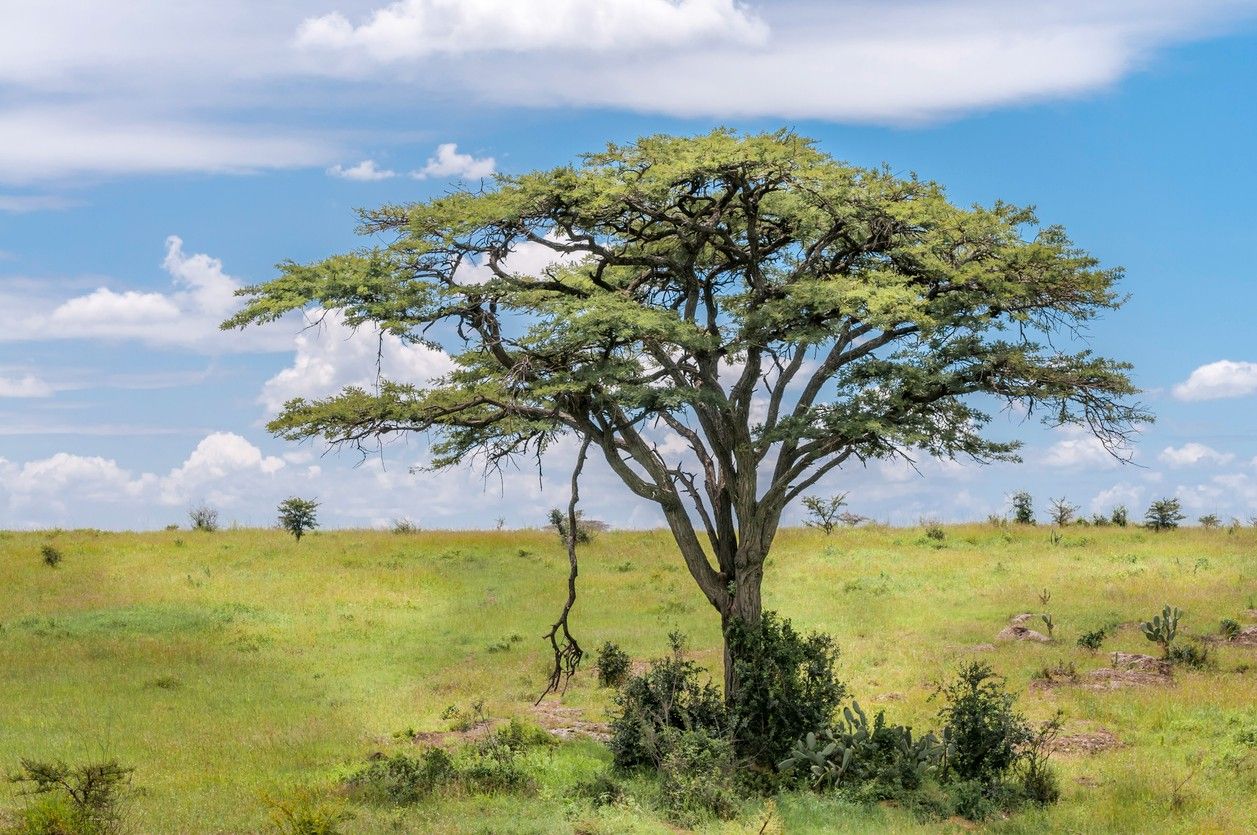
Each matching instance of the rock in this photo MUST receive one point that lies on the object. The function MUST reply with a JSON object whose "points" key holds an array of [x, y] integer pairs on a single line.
{"points": [[1139, 662], [1021, 633]]}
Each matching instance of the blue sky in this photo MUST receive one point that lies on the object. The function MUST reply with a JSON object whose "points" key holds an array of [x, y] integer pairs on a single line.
{"points": [[154, 158]]}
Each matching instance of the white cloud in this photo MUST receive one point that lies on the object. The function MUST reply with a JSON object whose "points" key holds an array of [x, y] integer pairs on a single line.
{"points": [[187, 316], [448, 162], [1079, 449], [1191, 454], [28, 385], [1125, 494], [218, 458], [863, 61], [364, 172], [56, 484], [1219, 379], [412, 29], [332, 355]]}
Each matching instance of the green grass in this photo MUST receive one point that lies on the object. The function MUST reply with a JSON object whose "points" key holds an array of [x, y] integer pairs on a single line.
{"points": [[239, 664]]}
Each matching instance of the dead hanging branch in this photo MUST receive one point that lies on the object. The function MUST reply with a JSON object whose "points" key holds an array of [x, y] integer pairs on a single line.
{"points": [[567, 652]]}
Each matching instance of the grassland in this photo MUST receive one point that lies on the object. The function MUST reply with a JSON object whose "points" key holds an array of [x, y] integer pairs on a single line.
{"points": [[239, 664]]}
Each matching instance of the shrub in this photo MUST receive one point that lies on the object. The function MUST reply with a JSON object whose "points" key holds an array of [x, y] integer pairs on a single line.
{"points": [[304, 812], [1164, 514], [786, 687], [1062, 512], [935, 531], [602, 790], [1210, 522], [50, 555], [1039, 782], [558, 521], [982, 733], [72, 800], [403, 526], [1229, 628], [298, 516], [1162, 628], [697, 777], [1023, 508], [825, 513], [1196, 656], [403, 778], [1120, 516], [203, 518], [1093, 639], [667, 695], [613, 665]]}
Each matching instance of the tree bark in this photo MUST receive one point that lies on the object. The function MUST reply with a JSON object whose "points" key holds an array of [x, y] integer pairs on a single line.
{"points": [[745, 606]]}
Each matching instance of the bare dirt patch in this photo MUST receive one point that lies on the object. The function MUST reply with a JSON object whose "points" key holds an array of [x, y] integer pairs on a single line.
{"points": [[1086, 744], [567, 722], [1247, 637], [453, 739], [1018, 631], [1129, 669]]}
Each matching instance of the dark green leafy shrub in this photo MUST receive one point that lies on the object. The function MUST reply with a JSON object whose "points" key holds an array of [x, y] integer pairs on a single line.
{"points": [[558, 521], [613, 665], [697, 775], [1023, 508], [297, 516], [1164, 514], [667, 695], [1093, 639], [1196, 656], [403, 778], [982, 733], [602, 790], [1039, 782], [50, 555], [786, 687], [72, 800], [1229, 628]]}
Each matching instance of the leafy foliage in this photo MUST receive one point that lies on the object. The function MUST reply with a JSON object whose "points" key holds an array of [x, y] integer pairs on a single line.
{"points": [[698, 777], [1164, 514], [667, 696], [297, 516], [203, 518], [981, 731], [558, 521], [1228, 628], [76, 800], [1120, 516], [1093, 639], [825, 513], [1023, 508], [786, 687], [613, 665], [50, 555]]}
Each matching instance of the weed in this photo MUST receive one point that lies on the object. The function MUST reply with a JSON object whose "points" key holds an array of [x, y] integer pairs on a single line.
{"points": [[50, 555]]}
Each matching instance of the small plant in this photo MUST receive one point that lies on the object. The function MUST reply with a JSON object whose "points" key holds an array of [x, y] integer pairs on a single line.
{"points": [[1062, 512], [935, 531], [298, 516], [1023, 508], [1162, 628], [1120, 516], [403, 526], [558, 521], [1164, 514], [203, 518], [825, 513], [82, 799], [1100, 520], [50, 555], [1229, 628], [1210, 522], [305, 812], [613, 665], [1196, 656], [698, 777], [1039, 782], [1046, 617], [1045, 597], [1094, 639]]}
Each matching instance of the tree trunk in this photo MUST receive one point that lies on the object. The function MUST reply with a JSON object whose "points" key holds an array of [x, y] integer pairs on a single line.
{"points": [[745, 606]]}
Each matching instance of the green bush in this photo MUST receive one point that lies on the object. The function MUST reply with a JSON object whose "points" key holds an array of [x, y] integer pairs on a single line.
{"points": [[667, 696], [613, 665], [697, 775], [72, 800], [602, 790], [403, 778], [1229, 628], [786, 687], [1093, 639], [982, 733], [304, 812], [1195, 655], [50, 555]]}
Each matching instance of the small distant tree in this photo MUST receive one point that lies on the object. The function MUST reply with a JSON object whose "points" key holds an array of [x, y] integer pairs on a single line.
{"points": [[1023, 508], [1120, 516], [851, 519], [825, 513], [1164, 514], [1210, 521], [559, 521], [298, 516], [203, 517], [1062, 512]]}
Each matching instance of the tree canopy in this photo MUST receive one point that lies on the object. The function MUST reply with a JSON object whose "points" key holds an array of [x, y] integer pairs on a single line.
{"points": [[774, 311]]}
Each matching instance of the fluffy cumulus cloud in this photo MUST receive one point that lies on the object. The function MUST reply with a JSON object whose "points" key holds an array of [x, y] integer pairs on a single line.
{"points": [[331, 355], [1193, 454], [187, 315], [1124, 494], [412, 29], [850, 60], [218, 458], [364, 172], [448, 162], [25, 385], [1079, 448], [1217, 380]]}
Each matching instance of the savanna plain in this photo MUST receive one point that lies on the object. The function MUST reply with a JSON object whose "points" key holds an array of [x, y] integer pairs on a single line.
{"points": [[242, 673]]}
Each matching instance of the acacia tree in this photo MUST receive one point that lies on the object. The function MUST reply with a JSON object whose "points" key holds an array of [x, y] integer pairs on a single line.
{"points": [[776, 311]]}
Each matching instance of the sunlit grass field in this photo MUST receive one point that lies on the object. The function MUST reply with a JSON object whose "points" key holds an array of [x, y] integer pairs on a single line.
{"points": [[238, 665]]}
